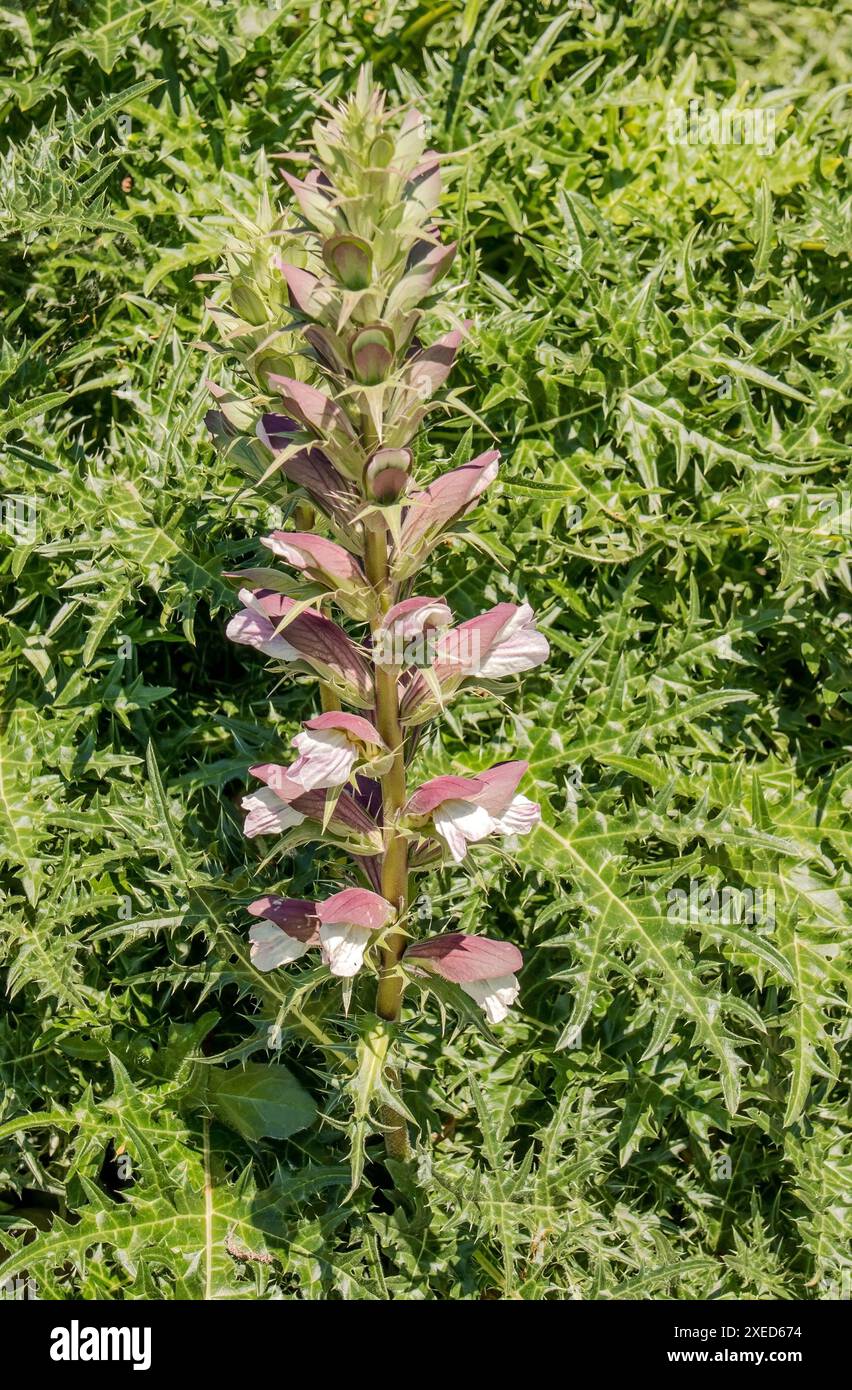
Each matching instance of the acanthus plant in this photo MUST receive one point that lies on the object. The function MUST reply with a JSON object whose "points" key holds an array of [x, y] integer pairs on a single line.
{"points": [[360, 271]]}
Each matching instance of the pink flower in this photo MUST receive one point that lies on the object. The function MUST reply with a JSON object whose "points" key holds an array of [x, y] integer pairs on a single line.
{"points": [[329, 747], [408, 633], [465, 810], [414, 616], [284, 804], [434, 509], [269, 813], [326, 563], [347, 921], [289, 926], [308, 639], [502, 642], [485, 969]]}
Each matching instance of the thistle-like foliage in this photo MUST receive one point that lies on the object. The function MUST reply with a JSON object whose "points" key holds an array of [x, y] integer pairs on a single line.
{"points": [[362, 283]]}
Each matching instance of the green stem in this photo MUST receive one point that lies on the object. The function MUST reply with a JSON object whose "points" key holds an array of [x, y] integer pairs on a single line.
{"points": [[395, 858]]}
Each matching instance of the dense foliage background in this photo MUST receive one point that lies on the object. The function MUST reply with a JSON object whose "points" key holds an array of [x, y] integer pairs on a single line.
{"points": [[661, 347]]}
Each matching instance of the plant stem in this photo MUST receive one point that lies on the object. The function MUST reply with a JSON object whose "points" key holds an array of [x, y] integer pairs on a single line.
{"points": [[395, 858]]}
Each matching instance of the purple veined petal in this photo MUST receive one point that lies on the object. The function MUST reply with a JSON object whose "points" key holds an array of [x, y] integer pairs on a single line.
{"points": [[336, 496], [367, 793], [443, 502], [352, 724], [356, 906], [316, 556], [276, 431], [308, 294], [428, 370], [315, 410], [295, 916], [348, 815], [462, 958], [321, 643], [371, 865], [432, 794], [328, 346]]}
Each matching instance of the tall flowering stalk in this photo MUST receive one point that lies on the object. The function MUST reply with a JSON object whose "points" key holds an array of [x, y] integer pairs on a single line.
{"points": [[367, 265]]}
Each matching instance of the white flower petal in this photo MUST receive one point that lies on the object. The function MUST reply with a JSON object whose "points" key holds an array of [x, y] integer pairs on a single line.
{"points": [[326, 758], [254, 628], [343, 947], [519, 647], [270, 946], [520, 817], [267, 814], [495, 996], [457, 822]]}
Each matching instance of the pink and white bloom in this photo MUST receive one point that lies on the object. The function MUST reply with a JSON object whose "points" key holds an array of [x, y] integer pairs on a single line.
{"points": [[308, 639], [464, 810], [269, 813], [347, 922], [329, 747], [283, 804], [288, 928], [484, 969], [320, 559], [502, 642]]}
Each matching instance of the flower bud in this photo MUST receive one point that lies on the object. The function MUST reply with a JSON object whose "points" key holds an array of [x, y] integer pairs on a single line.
{"points": [[388, 474], [372, 352], [350, 260]]}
